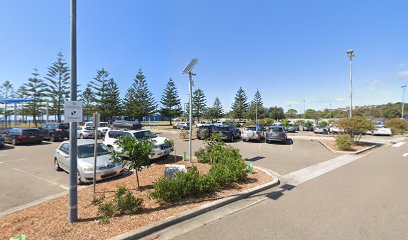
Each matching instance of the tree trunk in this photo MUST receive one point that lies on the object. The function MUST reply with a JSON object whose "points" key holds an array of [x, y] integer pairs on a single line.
{"points": [[170, 121], [137, 178]]}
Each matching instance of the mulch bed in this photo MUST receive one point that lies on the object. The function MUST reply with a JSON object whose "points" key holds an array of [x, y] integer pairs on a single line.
{"points": [[331, 144], [49, 220]]}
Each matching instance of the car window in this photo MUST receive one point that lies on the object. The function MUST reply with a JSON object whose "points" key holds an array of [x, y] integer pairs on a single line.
{"points": [[65, 148], [87, 150], [116, 134], [275, 129], [63, 126], [31, 132], [144, 134], [103, 124], [89, 128]]}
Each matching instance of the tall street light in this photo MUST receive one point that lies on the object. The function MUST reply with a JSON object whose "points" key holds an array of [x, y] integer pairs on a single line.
{"points": [[403, 100], [188, 70], [350, 53]]}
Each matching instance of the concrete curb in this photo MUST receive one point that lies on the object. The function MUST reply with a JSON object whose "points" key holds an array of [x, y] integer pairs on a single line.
{"points": [[351, 153], [154, 227]]}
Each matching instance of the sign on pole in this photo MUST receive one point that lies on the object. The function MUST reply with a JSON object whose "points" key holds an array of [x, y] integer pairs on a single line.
{"points": [[73, 111]]}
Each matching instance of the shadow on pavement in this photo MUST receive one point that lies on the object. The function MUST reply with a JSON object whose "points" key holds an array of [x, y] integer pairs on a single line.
{"points": [[254, 159]]}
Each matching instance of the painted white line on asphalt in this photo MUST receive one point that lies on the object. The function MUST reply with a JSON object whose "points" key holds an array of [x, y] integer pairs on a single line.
{"points": [[260, 145], [405, 154], [40, 178], [398, 144], [16, 160], [308, 173]]}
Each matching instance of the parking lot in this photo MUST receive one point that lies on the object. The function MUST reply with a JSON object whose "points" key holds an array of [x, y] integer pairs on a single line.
{"points": [[27, 171]]}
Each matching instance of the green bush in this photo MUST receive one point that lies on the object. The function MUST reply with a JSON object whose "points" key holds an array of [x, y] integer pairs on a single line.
{"points": [[344, 142], [124, 202], [216, 151], [229, 171], [355, 126], [397, 125]]}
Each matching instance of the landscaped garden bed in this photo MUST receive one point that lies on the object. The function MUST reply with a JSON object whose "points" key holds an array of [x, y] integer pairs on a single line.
{"points": [[49, 220], [355, 147]]}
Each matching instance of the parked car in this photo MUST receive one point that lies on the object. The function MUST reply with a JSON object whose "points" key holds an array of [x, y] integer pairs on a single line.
{"points": [[182, 125], [253, 133], [103, 126], [292, 128], [126, 125], [1, 141], [205, 132], [276, 133], [17, 136], [161, 147], [308, 128], [229, 133], [380, 130], [335, 129], [55, 131], [87, 132], [203, 124], [105, 168], [320, 130]]}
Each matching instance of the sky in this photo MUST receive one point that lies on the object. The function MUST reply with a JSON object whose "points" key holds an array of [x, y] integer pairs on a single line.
{"points": [[289, 50]]}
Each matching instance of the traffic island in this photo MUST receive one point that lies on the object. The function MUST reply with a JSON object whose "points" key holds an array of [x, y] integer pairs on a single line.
{"points": [[49, 220], [356, 148]]}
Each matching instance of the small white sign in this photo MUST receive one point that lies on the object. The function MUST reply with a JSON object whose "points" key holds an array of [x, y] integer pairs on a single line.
{"points": [[73, 111]]}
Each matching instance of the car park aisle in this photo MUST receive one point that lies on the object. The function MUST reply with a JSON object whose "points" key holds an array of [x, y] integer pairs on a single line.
{"points": [[27, 174]]}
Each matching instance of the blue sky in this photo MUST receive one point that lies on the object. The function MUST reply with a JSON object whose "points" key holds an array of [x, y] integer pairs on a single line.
{"points": [[289, 50]]}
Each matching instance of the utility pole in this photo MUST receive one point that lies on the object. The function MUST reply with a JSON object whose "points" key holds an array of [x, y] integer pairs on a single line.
{"points": [[73, 191], [350, 53], [403, 100]]}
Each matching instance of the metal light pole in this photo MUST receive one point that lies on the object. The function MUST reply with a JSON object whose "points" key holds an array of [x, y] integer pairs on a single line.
{"points": [[350, 53], [73, 194], [403, 100], [256, 112], [187, 70]]}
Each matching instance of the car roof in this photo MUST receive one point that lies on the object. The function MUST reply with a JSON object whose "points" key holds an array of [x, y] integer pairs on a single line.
{"points": [[275, 126], [129, 131], [82, 141]]}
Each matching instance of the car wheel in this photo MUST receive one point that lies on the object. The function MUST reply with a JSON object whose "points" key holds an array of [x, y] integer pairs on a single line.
{"points": [[56, 165], [14, 142], [81, 136], [52, 138]]}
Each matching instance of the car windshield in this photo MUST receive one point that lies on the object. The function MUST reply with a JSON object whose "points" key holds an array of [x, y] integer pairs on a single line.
{"points": [[250, 129], [103, 125], [276, 129], [87, 150], [89, 128], [144, 134], [64, 126]]}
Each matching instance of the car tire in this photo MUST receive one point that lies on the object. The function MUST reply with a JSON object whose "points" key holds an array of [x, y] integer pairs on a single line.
{"points": [[81, 136], [51, 137], [14, 142], [57, 166]]}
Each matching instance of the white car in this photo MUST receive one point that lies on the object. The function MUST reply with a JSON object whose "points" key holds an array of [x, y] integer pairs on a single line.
{"points": [[160, 147], [103, 126], [334, 129], [105, 168], [87, 132], [200, 124], [380, 130]]}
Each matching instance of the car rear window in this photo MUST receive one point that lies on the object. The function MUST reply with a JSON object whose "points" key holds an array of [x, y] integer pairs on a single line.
{"points": [[31, 132], [144, 134], [275, 129], [250, 129], [63, 126]]}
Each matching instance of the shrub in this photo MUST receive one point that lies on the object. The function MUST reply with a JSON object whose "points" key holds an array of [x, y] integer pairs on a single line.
{"points": [[124, 202], [98, 200], [229, 171], [324, 123], [397, 125], [216, 151], [267, 121], [356, 126], [184, 134], [344, 142]]}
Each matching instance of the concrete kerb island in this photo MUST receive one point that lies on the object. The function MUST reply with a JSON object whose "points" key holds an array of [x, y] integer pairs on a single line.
{"points": [[351, 153], [154, 227]]}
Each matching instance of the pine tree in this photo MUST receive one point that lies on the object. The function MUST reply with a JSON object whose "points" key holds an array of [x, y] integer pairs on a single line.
{"points": [[216, 111], [170, 101], [240, 105], [36, 91], [7, 90], [87, 97], [256, 107], [199, 104], [139, 100], [22, 93], [58, 88], [99, 87], [112, 103]]}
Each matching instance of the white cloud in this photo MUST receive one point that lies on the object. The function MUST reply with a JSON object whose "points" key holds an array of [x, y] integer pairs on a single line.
{"points": [[403, 74], [403, 65]]}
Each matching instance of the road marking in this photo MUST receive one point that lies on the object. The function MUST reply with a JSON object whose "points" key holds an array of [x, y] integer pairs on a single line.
{"points": [[308, 173], [399, 144], [405, 154], [260, 145], [16, 160], [40, 178]]}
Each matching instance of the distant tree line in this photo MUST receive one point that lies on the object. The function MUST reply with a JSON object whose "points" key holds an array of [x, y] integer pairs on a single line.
{"points": [[102, 94]]}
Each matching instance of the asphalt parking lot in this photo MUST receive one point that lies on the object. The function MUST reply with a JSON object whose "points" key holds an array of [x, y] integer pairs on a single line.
{"points": [[27, 171]]}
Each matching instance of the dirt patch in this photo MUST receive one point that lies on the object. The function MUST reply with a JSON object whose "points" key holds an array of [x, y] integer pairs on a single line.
{"points": [[331, 144], [49, 220]]}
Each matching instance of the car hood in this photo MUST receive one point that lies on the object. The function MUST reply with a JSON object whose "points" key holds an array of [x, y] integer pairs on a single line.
{"points": [[101, 161], [159, 140]]}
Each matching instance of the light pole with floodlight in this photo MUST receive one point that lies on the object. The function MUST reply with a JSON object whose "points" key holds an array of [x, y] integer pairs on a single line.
{"points": [[403, 100], [188, 70], [350, 53]]}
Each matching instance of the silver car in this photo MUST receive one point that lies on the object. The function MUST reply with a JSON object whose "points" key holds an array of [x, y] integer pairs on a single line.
{"points": [[276, 133], [105, 168], [87, 132], [253, 133]]}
